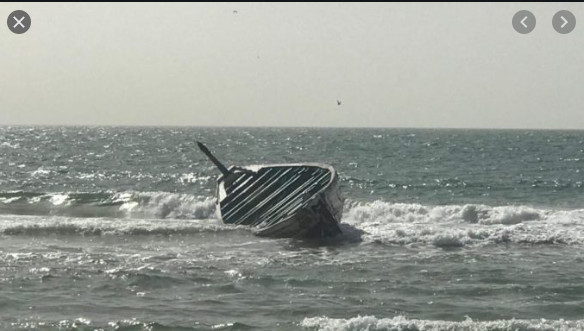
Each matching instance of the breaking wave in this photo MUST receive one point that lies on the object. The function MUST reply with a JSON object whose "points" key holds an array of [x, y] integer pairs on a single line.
{"points": [[114, 205], [58, 225], [463, 225], [378, 221], [371, 323]]}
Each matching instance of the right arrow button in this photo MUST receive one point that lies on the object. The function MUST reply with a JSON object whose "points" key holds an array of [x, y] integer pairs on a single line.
{"points": [[564, 22]]}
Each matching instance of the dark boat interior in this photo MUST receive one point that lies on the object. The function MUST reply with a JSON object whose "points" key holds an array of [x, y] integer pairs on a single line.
{"points": [[270, 194]]}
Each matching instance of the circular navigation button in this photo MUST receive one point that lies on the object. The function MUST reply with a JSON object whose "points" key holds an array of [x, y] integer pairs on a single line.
{"points": [[18, 21], [523, 21], [564, 22]]}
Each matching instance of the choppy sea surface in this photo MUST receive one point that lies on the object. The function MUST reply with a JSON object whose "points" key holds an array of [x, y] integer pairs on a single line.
{"points": [[116, 229]]}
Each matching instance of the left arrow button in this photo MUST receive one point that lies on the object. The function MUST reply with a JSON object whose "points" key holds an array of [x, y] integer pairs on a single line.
{"points": [[523, 21]]}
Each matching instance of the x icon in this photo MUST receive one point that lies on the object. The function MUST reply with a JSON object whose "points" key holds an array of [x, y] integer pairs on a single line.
{"points": [[22, 20], [18, 21]]}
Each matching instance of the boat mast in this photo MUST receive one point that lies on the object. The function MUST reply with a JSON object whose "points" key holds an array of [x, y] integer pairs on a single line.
{"points": [[213, 159]]}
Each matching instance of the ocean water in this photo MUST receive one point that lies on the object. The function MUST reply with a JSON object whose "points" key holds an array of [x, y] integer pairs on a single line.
{"points": [[116, 229]]}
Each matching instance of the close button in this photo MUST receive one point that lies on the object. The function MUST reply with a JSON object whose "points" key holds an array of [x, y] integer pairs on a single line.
{"points": [[18, 21]]}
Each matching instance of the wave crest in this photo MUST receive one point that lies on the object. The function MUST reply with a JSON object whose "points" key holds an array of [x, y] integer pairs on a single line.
{"points": [[371, 323], [42, 226], [462, 225], [114, 205]]}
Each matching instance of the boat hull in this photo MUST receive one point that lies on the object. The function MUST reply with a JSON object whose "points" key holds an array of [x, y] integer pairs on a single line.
{"points": [[282, 201]]}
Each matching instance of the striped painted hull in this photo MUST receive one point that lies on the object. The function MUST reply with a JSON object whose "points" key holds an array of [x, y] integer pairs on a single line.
{"points": [[285, 200]]}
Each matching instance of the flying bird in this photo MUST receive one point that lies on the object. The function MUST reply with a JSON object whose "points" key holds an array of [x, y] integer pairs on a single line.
{"points": [[235, 12], [338, 102]]}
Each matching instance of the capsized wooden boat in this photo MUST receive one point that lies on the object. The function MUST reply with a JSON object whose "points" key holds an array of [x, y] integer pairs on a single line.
{"points": [[280, 200]]}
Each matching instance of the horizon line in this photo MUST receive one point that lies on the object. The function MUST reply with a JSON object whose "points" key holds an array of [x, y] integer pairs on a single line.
{"points": [[282, 127]]}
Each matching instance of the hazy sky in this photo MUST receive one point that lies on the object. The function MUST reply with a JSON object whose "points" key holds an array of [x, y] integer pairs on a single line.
{"points": [[391, 65]]}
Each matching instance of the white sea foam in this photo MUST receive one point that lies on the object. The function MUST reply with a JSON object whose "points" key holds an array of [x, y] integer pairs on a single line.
{"points": [[42, 225], [9, 200], [59, 199], [40, 172], [193, 178], [9, 145], [120, 205], [372, 323], [462, 225], [166, 205], [500, 215]]}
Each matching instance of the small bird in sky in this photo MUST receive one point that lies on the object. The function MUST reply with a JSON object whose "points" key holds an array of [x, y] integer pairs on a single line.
{"points": [[338, 102], [235, 11]]}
